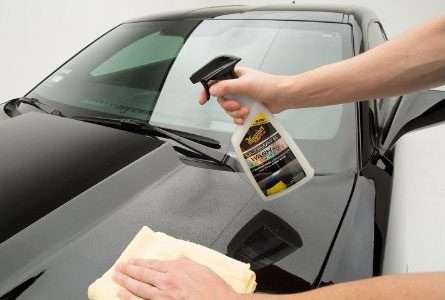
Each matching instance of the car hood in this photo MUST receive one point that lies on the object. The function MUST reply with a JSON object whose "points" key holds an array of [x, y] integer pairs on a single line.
{"points": [[48, 160], [67, 249]]}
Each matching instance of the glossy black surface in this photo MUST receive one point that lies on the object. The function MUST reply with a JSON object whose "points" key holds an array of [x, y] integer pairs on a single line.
{"points": [[382, 178], [47, 160], [206, 206], [273, 279], [264, 240], [18, 290], [412, 111]]}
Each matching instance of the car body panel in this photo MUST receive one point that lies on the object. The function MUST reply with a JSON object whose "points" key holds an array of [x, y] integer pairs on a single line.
{"points": [[40, 240], [201, 205], [210, 208], [48, 160], [410, 107], [352, 255]]}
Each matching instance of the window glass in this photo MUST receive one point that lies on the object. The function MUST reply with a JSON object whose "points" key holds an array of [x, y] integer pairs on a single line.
{"points": [[147, 50], [279, 47], [141, 70], [296, 50], [121, 74]]}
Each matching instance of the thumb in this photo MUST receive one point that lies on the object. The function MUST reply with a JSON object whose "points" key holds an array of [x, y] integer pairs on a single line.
{"points": [[227, 87]]}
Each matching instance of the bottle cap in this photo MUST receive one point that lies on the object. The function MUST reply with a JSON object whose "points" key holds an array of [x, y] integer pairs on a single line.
{"points": [[220, 68]]}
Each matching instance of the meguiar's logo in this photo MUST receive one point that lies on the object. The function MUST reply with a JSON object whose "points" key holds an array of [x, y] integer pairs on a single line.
{"points": [[256, 137], [260, 120]]}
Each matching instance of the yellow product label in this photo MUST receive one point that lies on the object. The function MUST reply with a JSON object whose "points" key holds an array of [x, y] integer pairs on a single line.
{"points": [[256, 137], [280, 186], [260, 120]]}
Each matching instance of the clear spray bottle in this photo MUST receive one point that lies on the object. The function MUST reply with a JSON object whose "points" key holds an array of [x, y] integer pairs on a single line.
{"points": [[268, 154]]}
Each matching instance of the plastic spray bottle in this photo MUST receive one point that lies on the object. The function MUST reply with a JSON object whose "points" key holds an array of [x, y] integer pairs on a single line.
{"points": [[268, 154]]}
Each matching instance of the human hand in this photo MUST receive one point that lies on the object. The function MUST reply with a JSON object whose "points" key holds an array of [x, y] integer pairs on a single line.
{"points": [[170, 280], [257, 85]]}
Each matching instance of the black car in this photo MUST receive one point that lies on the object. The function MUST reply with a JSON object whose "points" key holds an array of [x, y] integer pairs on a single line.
{"points": [[114, 140]]}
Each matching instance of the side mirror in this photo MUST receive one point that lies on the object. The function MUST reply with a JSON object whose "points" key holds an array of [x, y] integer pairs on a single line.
{"points": [[413, 111]]}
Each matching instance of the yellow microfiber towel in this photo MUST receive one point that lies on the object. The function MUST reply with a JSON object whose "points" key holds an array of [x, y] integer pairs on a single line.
{"points": [[157, 245]]}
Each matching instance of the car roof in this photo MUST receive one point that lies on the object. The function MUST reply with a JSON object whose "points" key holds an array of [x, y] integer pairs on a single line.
{"points": [[320, 13]]}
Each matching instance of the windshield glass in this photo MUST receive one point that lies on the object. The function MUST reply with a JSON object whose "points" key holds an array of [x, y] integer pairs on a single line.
{"points": [[141, 70]]}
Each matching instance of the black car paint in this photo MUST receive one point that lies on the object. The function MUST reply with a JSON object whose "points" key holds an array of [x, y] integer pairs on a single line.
{"points": [[18, 290], [329, 18], [368, 143], [48, 160]]}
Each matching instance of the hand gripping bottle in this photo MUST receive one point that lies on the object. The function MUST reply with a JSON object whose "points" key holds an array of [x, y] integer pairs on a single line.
{"points": [[269, 156]]}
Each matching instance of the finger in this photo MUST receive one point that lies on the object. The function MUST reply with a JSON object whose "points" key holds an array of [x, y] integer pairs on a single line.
{"points": [[239, 121], [156, 265], [126, 295], [136, 287], [240, 113], [212, 82], [202, 97], [240, 71], [244, 111], [233, 114], [227, 87], [140, 273], [228, 105], [234, 86]]}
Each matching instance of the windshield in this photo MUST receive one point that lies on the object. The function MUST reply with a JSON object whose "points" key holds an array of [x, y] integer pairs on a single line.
{"points": [[141, 70]]}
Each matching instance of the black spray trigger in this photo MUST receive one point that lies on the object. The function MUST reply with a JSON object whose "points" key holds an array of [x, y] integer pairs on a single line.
{"points": [[220, 68]]}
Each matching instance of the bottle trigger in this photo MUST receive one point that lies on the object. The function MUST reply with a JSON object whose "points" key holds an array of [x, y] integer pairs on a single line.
{"points": [[220, 68]]}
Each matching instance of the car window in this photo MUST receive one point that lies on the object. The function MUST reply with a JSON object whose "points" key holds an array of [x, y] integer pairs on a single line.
{"points": [[279, 47], [296, 50], [121, 74], [141, 70], [147, 50]]}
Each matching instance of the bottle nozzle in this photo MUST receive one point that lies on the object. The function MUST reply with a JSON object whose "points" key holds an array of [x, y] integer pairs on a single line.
{"points": [[220, 68]]}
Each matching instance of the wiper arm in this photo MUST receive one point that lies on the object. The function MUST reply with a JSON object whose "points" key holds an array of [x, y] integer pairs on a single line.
{"points": [[134, 126], [199, 144], [36, 103]]}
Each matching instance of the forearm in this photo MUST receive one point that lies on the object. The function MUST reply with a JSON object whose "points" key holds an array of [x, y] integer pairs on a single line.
{"points": [[406, 286], [410, 62]]}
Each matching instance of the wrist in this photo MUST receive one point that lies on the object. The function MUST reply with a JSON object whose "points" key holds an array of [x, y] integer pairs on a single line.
{"points": [[288, 92]]}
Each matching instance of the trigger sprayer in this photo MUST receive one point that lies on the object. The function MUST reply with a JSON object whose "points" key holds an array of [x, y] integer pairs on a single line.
{"points": [[268, 154]]}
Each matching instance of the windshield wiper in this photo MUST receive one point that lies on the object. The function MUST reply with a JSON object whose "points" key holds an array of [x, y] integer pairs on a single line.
{"points": [[134, 125], [37, 104], [199, 144]]}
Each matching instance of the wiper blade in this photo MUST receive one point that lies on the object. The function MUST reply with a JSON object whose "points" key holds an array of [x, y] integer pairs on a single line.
{"points": [[36, 103], [134, 126], [203, 140], [199, 144]]}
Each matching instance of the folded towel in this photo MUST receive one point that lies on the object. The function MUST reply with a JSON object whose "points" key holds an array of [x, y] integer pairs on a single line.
{"points": [[157, 245]]}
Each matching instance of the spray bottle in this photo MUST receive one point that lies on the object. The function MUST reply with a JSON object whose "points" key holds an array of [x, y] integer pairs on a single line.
{"points": [[268, 154]]}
